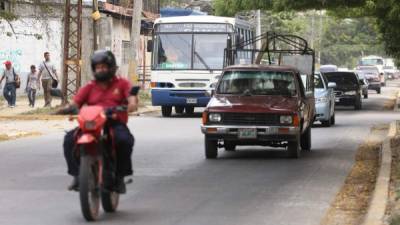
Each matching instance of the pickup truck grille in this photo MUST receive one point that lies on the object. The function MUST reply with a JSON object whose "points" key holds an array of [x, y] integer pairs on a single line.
{"points": [[257, 119]]}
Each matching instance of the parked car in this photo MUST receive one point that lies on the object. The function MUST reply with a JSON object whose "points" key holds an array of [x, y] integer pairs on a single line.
{"points": [[348, 90], [324, 100], [259, 105], [371, 73]]}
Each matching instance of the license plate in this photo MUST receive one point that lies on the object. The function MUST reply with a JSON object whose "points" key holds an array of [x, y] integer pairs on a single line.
{"points": [[247, 133], [337, 99], [191, 101]]}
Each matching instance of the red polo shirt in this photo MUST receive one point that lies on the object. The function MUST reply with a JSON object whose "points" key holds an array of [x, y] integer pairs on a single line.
{"points": [[115, 94]]}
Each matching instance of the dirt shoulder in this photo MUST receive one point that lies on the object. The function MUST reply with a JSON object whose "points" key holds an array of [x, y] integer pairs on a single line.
{"points": [[351, 203]]}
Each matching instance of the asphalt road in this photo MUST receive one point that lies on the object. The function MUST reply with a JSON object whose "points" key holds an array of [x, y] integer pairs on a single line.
{"points": [[175, 184]]}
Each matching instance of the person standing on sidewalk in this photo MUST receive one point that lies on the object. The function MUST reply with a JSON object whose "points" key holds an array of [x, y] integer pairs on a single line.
{"points": [[10, 87], [31, 86], [47, 73]]}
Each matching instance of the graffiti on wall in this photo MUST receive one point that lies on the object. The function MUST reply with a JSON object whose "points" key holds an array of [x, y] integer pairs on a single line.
{"points": [[13, 55]]}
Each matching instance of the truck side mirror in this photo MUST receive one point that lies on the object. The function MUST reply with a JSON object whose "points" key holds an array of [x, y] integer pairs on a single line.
{"points": [[149, 45]]}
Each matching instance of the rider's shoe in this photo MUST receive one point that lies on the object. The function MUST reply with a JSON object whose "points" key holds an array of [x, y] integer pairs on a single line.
{"points": [[74, 186], [121, 187]]}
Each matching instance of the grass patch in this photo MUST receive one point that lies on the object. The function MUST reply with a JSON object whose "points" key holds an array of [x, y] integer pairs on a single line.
{"points": [[395, 220], [41, 111], [144, 97]]}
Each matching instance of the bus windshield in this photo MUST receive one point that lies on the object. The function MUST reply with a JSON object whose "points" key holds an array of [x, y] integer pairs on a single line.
{"points": [[366, 62], [190, 51]]}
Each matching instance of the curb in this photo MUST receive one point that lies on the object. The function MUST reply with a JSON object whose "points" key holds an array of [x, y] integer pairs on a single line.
{"points": [[377, 207]]}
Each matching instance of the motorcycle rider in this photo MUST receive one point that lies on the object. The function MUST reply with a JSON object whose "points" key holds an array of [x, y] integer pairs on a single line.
{"points": [[106, 90]]}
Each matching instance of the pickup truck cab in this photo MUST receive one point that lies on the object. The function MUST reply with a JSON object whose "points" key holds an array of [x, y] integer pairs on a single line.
{"points": [[259, 105]]}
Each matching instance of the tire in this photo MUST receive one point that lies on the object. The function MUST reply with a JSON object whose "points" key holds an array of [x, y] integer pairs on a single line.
{"points": [[378, 90], [189, 110], [358, 105], [305, 141], [88, 188], [293, 149], [326, 123], [179, 109], [229, 146], [333, 120], [166, 111], [365, 96], [109, 200], [211, 148]]}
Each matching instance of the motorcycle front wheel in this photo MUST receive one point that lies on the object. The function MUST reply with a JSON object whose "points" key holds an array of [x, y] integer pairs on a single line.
{"points": [[89, 191]]}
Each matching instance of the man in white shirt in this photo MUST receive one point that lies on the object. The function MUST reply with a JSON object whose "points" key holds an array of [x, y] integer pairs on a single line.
{"points": [[47, 72], [9, 91]]}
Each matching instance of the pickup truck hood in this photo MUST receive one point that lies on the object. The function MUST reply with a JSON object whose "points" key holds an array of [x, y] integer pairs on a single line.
{"points": [[253, 104]]}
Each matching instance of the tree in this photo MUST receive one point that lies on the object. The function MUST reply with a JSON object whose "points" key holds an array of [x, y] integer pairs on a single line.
{"points": [[386, 13]]}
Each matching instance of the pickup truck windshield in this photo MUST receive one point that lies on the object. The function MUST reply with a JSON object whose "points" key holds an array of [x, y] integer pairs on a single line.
{"points": [[257, 83]]}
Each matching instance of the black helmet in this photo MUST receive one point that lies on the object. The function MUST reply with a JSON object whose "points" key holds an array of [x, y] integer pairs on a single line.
{"points": [[104, 57]]}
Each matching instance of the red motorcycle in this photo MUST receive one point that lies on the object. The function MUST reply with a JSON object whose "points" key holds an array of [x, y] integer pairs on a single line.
{"points": [[95, 148]]}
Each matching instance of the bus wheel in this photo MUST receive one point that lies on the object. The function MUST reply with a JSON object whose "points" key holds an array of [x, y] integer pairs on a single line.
{"points": [[189, 110], [166, 111], [179, 109]]}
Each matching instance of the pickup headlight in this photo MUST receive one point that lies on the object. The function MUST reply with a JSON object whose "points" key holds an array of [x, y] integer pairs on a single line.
{"points": [[90, 125], [215, 117], [321, 100], [286, 119], [350, 93]]}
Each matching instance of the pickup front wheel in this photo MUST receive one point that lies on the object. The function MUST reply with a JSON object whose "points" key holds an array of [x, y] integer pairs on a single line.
{"points": [[293, 149], [305, 141], [211, 148]]}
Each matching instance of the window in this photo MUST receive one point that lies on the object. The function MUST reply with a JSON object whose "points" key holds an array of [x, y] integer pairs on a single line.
{"points": [[125, 52], [209, 51]]}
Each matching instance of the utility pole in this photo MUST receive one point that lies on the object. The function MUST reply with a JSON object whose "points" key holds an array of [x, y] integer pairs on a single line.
{"points": [[72, 58], [258, 28], [135, 40]]}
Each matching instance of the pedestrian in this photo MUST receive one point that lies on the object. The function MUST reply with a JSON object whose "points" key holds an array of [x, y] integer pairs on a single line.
{"points": [[12, 82], [47, 74], [32, 85]]}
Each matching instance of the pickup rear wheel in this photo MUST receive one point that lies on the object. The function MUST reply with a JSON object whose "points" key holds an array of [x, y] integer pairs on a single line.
{"points": [[229, 146], [305, 141], [211, 148], [378, 90], [293, 149], [326, 123]]}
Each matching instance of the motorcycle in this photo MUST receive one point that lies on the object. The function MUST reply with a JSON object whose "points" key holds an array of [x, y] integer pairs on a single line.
{"points": [[97, 154]]}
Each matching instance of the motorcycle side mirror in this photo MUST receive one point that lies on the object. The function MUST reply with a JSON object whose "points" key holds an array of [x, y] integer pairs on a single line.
{"points": [[134, 91]]}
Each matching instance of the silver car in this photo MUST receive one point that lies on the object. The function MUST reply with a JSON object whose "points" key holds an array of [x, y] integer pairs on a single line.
{"points": [[324, 100]]}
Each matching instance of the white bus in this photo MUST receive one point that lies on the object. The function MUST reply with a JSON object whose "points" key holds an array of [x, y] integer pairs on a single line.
{"points": [[188, 58]]}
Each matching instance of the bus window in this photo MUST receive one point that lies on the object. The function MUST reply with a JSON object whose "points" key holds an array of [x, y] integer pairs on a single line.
{"points": [[174, 51]]}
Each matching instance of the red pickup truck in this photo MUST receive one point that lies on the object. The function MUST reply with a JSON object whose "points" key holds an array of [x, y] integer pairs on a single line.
{"points": [[259, 105]]}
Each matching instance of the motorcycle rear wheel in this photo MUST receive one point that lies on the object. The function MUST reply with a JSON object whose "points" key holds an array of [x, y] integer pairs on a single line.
{"points": [[89, 191]]}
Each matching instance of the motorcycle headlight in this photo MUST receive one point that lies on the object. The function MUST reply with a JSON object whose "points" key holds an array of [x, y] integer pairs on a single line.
{"points": [[90, 125], [286, 119], [350, 92], [215, 117], [321, 100]]}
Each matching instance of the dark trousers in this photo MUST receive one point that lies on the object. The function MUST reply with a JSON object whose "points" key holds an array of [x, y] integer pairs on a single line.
{"points": [[10, 94], [32, 96], [124, 142]]}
